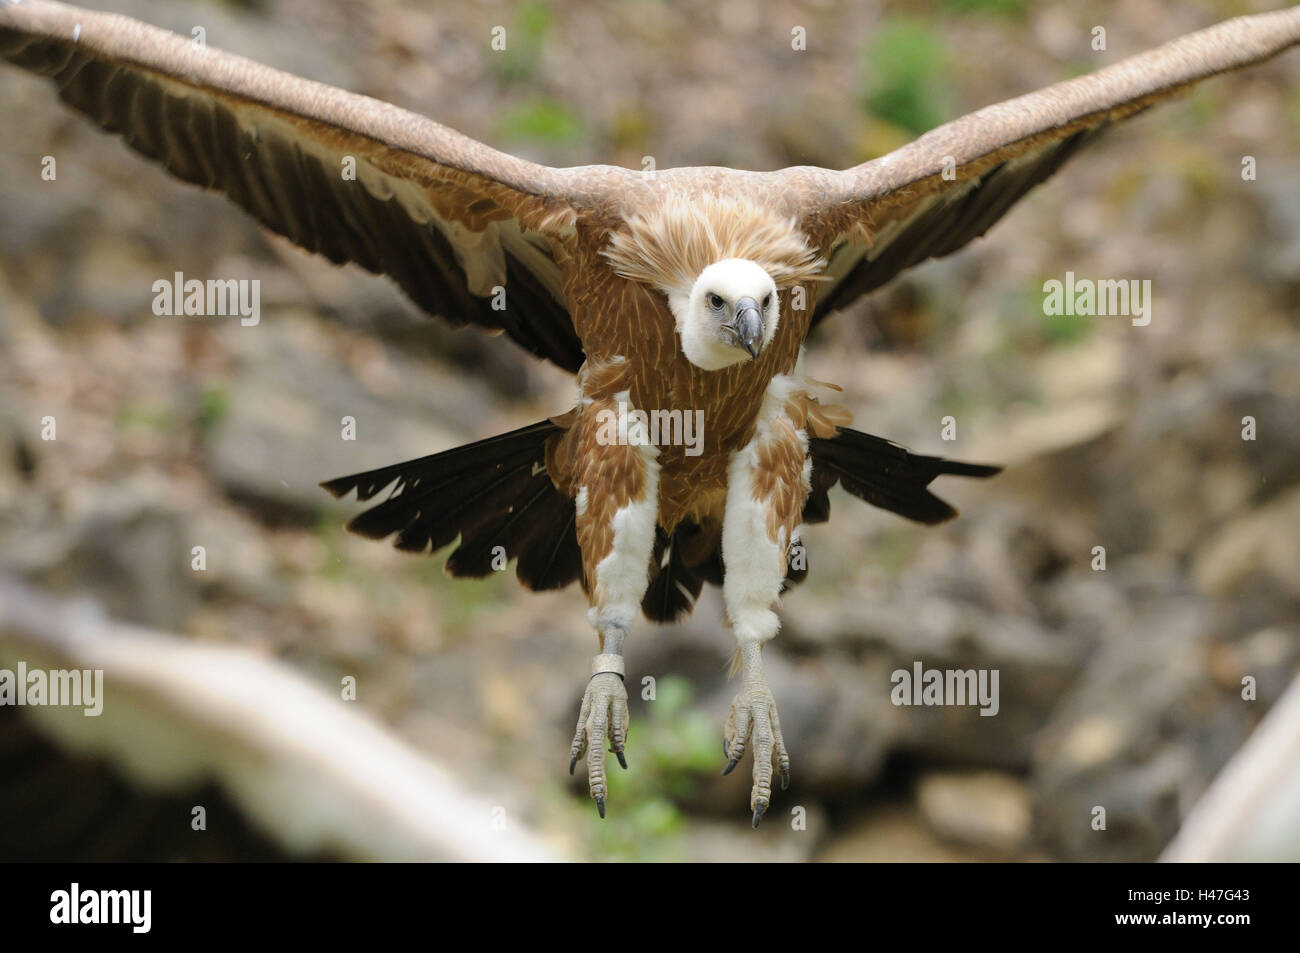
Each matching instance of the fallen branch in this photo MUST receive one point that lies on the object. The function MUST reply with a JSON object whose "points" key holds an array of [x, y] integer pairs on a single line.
{"points": [[314, 772], [1252, 810]]}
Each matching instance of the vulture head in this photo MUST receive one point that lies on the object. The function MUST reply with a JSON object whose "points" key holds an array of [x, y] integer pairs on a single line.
{"points": [[730, 315]]}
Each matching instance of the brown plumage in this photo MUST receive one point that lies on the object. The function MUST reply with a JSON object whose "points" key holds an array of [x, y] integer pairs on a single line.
{"points": [[618, 277]]}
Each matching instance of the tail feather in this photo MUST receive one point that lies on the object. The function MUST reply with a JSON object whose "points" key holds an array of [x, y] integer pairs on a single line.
{"points": [[554, 559], [883, 474], [489, 494], [496, 496], [503, 448], [513, 529], [432, 516], [674, 585]]}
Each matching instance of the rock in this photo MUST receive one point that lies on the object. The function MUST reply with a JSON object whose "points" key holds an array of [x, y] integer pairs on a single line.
{"points": [[1258, 549], [982, 809], [893, 834]]}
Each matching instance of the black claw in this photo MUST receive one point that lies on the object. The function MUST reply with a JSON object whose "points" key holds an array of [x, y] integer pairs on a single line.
{"points": [[622, 761], [573, 759], [785, 777], [600, 806], [758, 814], [730, 766]]}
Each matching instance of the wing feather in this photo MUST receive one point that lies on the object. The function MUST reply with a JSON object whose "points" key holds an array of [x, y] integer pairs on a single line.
{"points": [[449, 219], [885, 216]]}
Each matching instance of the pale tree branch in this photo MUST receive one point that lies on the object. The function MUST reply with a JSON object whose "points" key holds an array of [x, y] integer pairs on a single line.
{"points": [[1252, 810], [312, 771]]}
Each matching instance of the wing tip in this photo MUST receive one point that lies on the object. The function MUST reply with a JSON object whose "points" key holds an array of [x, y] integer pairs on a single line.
{"points": [[976, 470], [338, 487]]}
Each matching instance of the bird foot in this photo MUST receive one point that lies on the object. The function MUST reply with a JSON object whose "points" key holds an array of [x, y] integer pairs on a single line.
{"points": [[753, 722], [603, 715]]}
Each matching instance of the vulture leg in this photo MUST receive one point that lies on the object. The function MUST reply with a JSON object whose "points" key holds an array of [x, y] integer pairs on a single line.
{"points": [[767, 486], [617, 509]]}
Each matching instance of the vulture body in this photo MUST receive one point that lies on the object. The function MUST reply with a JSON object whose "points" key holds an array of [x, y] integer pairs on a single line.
{"points": [[672, 293]]}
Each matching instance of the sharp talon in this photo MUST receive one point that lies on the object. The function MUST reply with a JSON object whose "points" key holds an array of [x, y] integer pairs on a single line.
{"points": [[753, 729], [601, 730]]}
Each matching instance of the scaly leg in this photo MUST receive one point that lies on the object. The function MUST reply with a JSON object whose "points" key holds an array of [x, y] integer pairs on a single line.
{"points": [[603, 714], [767, 485], [617, 513], [754, 717]]}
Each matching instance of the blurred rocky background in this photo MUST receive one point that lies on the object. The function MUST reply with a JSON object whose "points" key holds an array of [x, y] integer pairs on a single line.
{"points": [[1120, 688]]}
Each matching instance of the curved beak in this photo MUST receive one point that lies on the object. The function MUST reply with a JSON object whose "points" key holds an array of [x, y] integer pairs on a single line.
{"points": [[747, 326]]}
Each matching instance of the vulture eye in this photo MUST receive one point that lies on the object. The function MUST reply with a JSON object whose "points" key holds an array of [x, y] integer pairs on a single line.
{"points": [[715, 302], [767, 301]]}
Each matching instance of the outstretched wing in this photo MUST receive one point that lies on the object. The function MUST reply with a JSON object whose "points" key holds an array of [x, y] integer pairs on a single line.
{"points": [[346, 176], [885, 216]]}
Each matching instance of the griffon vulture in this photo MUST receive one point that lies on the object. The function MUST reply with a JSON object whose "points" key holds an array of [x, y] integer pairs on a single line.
{"points": [[664, 292]]}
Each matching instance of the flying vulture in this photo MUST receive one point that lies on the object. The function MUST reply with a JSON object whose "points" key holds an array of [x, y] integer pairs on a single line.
{"points": [[673, 296]]}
